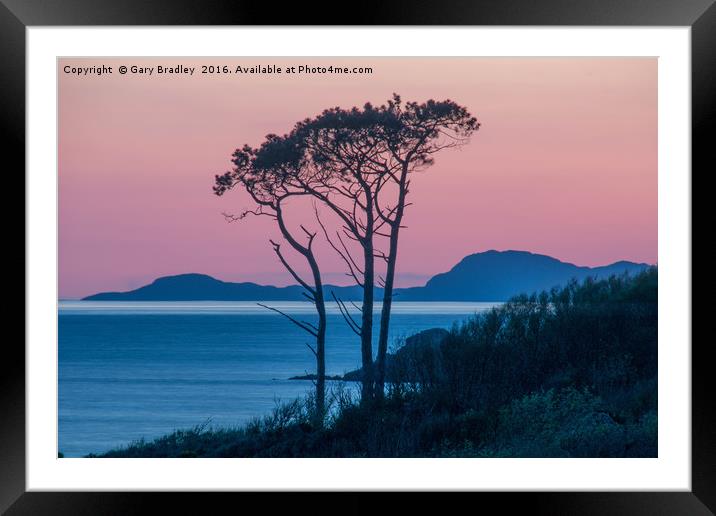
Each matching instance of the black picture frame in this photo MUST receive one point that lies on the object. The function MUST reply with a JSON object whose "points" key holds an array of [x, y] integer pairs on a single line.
{"points": [[16, 15]]}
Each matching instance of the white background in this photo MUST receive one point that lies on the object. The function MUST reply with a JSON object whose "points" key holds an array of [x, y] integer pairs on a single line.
{"points": [[671, 471]]}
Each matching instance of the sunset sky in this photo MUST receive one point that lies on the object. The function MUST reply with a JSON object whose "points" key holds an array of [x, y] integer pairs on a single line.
{"points": [[565, 164]]}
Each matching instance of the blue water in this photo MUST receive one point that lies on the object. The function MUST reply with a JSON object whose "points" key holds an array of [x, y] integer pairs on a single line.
{"points": [[129, 370]]}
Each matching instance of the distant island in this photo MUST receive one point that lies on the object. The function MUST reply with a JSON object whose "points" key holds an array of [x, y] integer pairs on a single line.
{"points": [[487, 276]]}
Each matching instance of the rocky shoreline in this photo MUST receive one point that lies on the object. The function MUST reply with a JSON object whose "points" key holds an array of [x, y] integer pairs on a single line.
{"points": [[426, 342]]}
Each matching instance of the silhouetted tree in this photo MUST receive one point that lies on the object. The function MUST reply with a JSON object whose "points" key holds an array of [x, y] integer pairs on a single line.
{"points": [[261, 172], [412, 135], [359, 162], [330, 160], [341, 149]]}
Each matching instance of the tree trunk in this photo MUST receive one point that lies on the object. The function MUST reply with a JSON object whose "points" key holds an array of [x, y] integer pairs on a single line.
{"points": [[385, 315], [367, 315], [388, 287], [320, 304], [320, 347]]}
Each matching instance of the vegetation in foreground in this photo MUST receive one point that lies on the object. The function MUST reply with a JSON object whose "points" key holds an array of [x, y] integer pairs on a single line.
{"points": [[566, 373]]}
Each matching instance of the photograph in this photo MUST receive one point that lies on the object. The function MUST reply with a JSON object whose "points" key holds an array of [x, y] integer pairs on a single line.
{"points": [[357, 257], [441, 251]]}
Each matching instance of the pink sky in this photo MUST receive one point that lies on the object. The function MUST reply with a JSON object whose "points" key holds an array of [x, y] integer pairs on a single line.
{"points": [[565, 164]]}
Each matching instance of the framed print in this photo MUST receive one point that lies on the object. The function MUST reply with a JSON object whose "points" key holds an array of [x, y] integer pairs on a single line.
{"points": [[429, 251]]}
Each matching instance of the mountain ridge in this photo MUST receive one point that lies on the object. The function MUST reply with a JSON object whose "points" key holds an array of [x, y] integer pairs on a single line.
{"points": [[485, 276]]}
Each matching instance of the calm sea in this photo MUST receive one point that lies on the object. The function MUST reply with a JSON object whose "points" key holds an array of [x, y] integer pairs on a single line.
{"points": [[143, 369]]}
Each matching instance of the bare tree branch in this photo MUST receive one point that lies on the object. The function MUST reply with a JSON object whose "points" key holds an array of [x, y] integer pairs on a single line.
{"points": [[313, 350], [347, 260], [294, 321], [352, 324], [304, 284]]}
